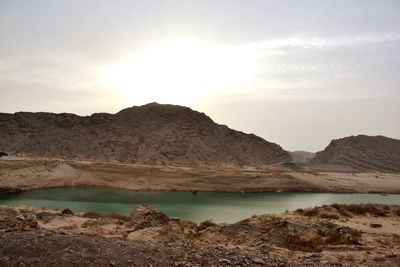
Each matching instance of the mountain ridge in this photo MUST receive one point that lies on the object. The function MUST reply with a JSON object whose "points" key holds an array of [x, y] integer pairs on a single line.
{"points": [[363, 152], [155, 133]]}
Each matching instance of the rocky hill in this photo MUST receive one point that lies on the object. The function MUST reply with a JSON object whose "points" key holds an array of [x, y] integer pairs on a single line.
{"points": [[150, 134], [363, 153]]}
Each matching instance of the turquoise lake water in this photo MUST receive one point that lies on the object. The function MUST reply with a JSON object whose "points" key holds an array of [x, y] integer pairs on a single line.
{"points": [[221, 207]]}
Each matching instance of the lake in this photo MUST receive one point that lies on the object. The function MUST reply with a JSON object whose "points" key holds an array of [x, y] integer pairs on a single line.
{"points": [[221, 207]]}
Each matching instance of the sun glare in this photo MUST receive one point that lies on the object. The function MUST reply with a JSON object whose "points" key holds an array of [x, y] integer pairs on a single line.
{"points": [[181, 71]]}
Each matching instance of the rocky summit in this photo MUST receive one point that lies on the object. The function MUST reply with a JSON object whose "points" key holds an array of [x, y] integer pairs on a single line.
{"points": [[150, 134], [366, 153]]}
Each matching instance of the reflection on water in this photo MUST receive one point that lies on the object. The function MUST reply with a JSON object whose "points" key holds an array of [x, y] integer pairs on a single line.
{"points": [[221, 207]]}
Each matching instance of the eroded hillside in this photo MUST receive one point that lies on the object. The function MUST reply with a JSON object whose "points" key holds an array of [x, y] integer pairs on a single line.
{"points": [[366, 153], [150, 134]]}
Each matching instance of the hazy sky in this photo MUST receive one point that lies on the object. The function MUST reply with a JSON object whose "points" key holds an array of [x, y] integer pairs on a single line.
{"points": [[298, 73]]}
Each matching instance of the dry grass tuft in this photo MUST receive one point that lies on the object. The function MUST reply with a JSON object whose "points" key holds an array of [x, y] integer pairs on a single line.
{"points": [[206, 224], [91, 215]]}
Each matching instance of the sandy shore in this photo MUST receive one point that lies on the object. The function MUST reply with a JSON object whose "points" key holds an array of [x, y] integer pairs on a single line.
{"points": [[25, 174]]}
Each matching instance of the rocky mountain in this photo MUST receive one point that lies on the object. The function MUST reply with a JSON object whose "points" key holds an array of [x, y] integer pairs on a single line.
{"points": [[363, 153], [150, 134]]}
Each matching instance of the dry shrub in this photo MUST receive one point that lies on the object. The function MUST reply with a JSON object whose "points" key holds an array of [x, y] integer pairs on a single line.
{"points": [[314, 241], [310, 212], [397, 211], [117, 216], [206, 224], [333, 236], [341, 209], [340, 235], [368, 208], [335, 211], [67, 212], [299, 211], [190, 235], [329, 216], [91, 215]]}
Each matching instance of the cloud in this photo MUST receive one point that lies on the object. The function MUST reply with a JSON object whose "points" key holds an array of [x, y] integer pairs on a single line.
{"points": [[325, 43]]}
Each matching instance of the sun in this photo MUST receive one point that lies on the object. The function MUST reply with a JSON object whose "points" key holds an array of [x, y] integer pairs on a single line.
{"points": [[181, 71]]}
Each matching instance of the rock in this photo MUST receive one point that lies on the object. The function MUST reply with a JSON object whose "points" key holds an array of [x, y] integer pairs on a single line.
{"points": [[225, 261], [145, 216], [20, 217], [45, 216], [258, 260], [375, 225], [230, 246], [153, 234], [198, 257], [67, 211]]}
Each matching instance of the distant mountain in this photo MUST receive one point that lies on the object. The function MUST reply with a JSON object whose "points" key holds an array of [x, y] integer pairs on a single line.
{"points": [[150, 134], [302, 156], [363, 153]]}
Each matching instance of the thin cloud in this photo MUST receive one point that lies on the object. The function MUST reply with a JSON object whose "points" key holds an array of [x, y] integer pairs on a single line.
{"points": [[325, 43]]}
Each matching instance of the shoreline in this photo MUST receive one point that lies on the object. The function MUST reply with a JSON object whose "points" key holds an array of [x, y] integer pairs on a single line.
{"points": [[17, 175], [5, 191]]}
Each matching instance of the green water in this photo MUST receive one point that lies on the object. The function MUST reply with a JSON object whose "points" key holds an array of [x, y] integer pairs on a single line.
{"points": [[221, 207]]}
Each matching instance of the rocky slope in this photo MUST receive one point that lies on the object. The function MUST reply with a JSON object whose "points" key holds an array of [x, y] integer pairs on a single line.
{"points": [[363, 153], [150, 134], [336, 235]]}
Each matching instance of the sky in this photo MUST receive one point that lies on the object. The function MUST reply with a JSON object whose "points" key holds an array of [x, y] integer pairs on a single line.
{"points": [[297, 73]]}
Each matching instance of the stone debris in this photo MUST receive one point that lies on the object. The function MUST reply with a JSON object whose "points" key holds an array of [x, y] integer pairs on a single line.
{"points": [[149, 238]]}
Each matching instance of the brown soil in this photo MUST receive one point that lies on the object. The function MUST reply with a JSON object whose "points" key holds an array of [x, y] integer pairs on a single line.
{"points": [[42, 237]]}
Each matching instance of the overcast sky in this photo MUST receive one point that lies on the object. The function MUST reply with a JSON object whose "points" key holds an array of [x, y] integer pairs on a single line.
{"points": [[298, 73]]}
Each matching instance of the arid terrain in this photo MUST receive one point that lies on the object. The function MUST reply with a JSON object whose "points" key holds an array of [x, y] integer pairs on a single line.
{"points": [[363, 153], [337, 235], [172, 148], [152, 134], [17, 174], [168, 147]]}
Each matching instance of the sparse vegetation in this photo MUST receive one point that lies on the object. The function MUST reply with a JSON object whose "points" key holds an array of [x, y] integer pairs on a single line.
{"points": [[335, 211], [206, 224], [326, 215], [263, 237], [91, 215]]}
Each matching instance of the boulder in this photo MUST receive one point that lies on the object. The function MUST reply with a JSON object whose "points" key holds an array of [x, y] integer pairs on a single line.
{"points": [[145, 216], [67, 212]]}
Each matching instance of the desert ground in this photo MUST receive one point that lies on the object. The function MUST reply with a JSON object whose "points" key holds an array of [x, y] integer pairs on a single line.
{"points": [[18, 174], [336, 235]]}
